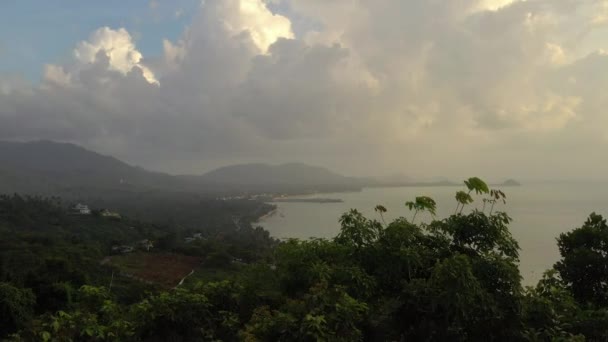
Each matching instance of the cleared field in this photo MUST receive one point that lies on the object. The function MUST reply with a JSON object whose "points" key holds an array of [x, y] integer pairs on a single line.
{"points": [[161, 268]]}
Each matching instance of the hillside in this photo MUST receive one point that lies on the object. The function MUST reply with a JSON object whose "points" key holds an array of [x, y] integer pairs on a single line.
{"points": [[511, 182], [281, 178], [48, 167], [52, 168]]}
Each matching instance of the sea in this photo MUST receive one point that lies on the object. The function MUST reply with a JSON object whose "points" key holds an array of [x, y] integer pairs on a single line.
{"points": [[540, 212]]}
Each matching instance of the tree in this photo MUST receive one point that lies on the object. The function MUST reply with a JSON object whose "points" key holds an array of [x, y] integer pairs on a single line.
{"points": [[453, 279], [16, 308], [463, 199], [472, 184], [357, 230], [477, 185], [95, 318], [325, 313], [381, 210], [422, 203], [495, 196], [584, 262], [478, 234], [549, 311], [184, 315]]}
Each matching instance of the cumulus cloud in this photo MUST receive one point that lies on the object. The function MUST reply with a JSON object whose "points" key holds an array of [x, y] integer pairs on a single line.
{"points": [[494, 5], [419, 87], [253, 16], [118, 47]]}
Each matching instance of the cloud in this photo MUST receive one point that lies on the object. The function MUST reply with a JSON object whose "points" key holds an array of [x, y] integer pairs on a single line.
{"points": [[421, 87], [494, 5], [118, 47], [239, 18], [253, 16]]}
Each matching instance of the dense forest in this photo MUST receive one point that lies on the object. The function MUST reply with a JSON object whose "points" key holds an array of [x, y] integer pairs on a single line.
{"points": [[450, 279]]}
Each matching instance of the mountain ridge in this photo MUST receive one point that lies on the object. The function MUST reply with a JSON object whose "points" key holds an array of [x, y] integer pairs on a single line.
{"points": [[48, 167], [285, 173]]}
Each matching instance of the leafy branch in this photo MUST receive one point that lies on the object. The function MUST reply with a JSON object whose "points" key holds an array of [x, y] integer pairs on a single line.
{"points": [[472, 184], [422, 203], [380, 209]]}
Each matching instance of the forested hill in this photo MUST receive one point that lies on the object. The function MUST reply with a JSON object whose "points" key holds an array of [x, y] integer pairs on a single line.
{"points": [[49, 252], [291, 177], [48, 167], [68, 170]]}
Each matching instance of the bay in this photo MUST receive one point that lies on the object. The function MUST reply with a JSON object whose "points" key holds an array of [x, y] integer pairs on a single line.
{"points": [[540, 212]]}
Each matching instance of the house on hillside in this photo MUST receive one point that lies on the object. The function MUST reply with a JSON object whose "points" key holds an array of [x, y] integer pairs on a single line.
{"points": [[81, 209], [238, 261], [145, 244], [109, 214], [122, 249], [194, 237]]}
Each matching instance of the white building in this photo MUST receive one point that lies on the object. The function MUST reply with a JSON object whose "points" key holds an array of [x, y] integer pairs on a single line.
{"points": [[108, 213], [81, 209], [146, 244]]}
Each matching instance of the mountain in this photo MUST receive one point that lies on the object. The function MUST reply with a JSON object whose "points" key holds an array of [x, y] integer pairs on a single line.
{"points": [[67, 170], [395, 178], [291, 177], [510, 182], [47, 167]]}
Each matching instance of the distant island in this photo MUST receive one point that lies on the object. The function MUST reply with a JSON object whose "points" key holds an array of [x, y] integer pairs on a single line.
{"points": [[510, 182], [308, 200]]}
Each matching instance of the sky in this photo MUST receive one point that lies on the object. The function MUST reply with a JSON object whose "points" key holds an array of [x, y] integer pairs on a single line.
{"points": [[423, 88]]}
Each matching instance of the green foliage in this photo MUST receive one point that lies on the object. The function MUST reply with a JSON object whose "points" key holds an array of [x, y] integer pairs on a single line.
{"points": [[452, 279], [478, 234], [380, 209], [180, 315], [463, 198], [16, 307], [357, 230], [584, 263], [473, 184], [323, 314], [495, 196], [422, 203], [459, 299], [98, 318], [477, 185], [550, 311], [498, 195]]}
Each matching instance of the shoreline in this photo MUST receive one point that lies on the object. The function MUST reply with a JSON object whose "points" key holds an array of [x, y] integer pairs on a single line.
{"points": [[428, 185], [270, 213], [318, 200]]}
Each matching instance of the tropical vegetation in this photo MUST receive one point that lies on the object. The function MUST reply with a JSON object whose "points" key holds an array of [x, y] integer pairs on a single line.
{"points": [[449, 279]]}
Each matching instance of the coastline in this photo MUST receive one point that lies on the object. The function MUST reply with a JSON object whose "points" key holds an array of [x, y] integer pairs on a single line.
{"points": [[423, 185], [318, 200], [268, 214]]}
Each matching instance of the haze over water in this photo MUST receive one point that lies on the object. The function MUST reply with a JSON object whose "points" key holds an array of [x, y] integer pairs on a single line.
{"points": [[540, 212]]}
